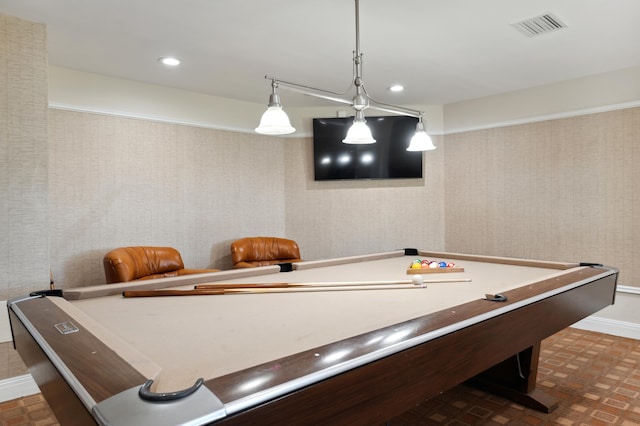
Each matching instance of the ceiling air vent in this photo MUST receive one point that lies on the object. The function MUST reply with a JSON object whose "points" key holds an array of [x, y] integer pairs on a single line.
{"points": [[542, 24]]}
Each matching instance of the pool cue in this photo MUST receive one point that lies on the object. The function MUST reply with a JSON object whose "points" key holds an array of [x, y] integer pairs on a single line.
{"points": [[157, 293], [255, 290], [326, 284], [233, 286]]}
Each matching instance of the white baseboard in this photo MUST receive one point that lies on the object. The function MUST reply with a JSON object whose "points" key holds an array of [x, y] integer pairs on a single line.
{"points": [[16, 387], [630, 330]]}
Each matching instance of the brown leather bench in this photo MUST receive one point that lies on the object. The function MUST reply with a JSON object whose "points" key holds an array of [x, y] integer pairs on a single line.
{"points": [[144, 263], [263, 251]]}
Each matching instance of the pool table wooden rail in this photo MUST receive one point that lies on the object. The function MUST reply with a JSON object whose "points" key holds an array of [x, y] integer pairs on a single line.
{"points": [[499, 259], [117, 288], [100, 378], [457, 345], [376, 381]]}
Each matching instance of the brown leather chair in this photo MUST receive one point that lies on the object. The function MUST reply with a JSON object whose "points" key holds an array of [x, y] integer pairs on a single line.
{"points": [[263, 251], [144, 263]]}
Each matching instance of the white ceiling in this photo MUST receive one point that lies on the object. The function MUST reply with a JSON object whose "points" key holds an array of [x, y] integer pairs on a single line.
{"points": [[441, 51]]}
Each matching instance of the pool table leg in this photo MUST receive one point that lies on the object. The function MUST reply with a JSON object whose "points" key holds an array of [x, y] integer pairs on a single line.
{"points": [[515, 379]]}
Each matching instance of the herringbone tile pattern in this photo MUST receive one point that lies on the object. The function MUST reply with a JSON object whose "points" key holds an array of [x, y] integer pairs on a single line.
{"points": [[595, 377]]}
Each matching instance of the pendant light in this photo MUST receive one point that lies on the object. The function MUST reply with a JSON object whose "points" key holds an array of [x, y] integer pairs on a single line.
{"points": [[275, 121]]}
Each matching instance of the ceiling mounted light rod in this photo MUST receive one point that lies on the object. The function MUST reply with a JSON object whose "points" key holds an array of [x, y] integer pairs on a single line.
{"points": [[335, 97], [310, 91], [394, 109], [359, 132]]}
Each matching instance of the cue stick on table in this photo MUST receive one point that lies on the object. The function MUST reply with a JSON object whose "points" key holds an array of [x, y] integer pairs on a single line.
{"points": [[224, 291], [152, 293], [254, 288], [326, 284]]}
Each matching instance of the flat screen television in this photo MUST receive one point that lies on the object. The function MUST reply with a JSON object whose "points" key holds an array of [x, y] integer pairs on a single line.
{"points": [[388, 158]]}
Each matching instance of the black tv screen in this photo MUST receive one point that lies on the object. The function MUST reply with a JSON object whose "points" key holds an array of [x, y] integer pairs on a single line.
{"points": [[388, 158]]}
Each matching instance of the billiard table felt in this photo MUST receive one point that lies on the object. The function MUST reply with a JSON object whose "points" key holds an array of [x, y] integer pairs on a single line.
{"points": [[209, 336]]}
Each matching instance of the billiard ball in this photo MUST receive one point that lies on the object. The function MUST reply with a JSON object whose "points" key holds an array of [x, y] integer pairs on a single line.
{"points": [[417, 280]]}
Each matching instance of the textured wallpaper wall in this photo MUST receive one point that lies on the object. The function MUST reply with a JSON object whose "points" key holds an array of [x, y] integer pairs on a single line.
{"points": [[561, 189], [118, 181], [566, 189], [343, 218], [24, 237]]}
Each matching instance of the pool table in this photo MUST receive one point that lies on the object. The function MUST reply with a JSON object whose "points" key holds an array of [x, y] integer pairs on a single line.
{"points": [[347, 356]]}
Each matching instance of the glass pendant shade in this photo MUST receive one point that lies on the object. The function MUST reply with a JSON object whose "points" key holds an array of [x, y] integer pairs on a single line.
{"points": [[359, 132], [421, 140], [275, 121]]}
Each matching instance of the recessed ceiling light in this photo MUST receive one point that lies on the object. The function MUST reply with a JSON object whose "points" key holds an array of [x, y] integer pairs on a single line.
{"points": [[169, 61], [396, 88]]}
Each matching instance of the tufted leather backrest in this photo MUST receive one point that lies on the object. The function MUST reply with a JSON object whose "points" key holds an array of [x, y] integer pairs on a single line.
{"points": [[263, 251], [131, 263]]}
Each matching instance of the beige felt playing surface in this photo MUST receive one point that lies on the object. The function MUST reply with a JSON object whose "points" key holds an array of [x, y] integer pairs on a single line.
{"points": [[208, 336]]}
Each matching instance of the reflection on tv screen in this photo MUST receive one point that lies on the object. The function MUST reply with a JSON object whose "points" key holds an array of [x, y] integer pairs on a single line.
{"points": [[388, 158]]}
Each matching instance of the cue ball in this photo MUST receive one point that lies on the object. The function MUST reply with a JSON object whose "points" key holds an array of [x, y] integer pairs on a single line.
{"points": [[417, 280]]}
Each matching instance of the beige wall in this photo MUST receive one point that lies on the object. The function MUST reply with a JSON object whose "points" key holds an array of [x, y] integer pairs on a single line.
{"points": [[586, 129], [81, 91], [118, 181], [341, 218], [24, 236], [563, 189], [586, 95]]}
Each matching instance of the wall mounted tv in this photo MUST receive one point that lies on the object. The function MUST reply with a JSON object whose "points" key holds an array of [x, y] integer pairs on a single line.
{"points": [[388, 158]]}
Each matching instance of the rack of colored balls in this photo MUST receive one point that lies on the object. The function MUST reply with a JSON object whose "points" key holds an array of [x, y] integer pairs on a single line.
{"points": [[431, 264]]}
